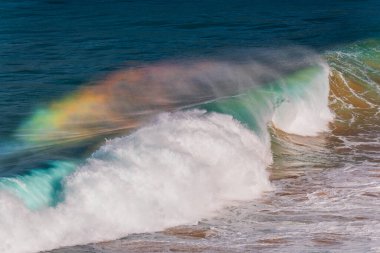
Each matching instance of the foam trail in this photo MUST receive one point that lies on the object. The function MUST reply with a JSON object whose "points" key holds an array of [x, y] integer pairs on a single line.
{"points": [[182, 168]]}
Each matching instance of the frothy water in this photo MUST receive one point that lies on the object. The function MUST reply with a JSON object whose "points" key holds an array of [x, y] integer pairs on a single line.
{"points": [[181, 168]]}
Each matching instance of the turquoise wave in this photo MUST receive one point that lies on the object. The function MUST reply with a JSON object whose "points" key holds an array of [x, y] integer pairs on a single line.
{"points": [[40, 187]]}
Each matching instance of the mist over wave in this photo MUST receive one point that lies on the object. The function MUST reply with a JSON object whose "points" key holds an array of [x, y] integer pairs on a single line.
{"points": [[128, 98], [213, 147]]}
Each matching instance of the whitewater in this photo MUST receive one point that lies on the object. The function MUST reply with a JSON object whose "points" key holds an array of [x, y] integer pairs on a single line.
{"points": [[178, 168]]}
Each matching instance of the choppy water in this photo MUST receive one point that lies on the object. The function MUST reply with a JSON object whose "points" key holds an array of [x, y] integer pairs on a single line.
{"points": [[229, 128]]}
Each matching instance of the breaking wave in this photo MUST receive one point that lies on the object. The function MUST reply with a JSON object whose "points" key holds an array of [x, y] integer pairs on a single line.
{"points": [[202, 142]]}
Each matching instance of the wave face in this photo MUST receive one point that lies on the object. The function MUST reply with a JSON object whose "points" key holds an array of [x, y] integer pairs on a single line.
{"points": [[210, 149], [39, 187]]}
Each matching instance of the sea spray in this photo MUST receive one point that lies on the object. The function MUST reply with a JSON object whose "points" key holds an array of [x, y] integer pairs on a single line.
{"points": [[177, 169], [131, 97]]}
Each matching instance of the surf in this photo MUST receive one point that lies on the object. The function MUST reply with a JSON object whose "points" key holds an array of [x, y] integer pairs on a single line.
{"points": [[201, 143]]}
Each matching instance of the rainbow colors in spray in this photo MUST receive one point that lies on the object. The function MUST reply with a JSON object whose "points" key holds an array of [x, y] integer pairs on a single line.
{"points": [[128, 98], [183, 166]]}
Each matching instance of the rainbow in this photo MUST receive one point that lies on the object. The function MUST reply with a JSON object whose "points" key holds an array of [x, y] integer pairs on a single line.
{"points": [[128, 98]]}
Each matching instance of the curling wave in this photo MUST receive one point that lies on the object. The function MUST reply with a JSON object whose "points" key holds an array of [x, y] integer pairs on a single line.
{"points": [[213, 147]]}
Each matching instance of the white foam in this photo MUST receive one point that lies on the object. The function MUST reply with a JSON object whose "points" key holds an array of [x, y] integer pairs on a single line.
{"points": [[175, 171]]}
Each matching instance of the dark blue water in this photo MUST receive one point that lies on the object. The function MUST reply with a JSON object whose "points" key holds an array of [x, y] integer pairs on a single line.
{"points": [[48, 48]]}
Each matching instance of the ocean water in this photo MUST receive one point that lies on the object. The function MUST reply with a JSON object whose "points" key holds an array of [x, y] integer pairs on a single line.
{"points": [[195, 126]]}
